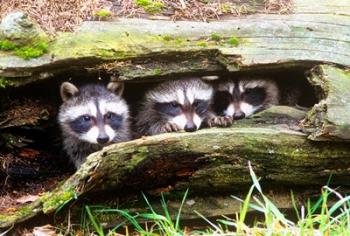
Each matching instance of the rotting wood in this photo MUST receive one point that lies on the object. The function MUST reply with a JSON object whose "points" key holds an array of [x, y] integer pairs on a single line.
{"points": [[278, 154], [330, 118], [264, 42], [212, 159]]}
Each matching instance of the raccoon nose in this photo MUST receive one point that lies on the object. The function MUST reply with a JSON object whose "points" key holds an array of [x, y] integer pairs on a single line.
{"points": [[238, 115], [190, 127], [102, 139]]}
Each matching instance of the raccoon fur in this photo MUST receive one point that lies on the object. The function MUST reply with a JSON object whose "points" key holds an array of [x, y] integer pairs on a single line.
{"points": [[175, 105], [92, 117], [243, 97]]}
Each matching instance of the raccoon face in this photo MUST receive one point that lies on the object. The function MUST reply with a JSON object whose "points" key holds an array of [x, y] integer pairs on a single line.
{"points": [[242, 98], [93, 113], [183, 102]]}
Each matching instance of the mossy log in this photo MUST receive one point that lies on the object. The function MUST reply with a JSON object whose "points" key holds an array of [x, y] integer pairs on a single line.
{"points": [[210, 160], [138, 48]]}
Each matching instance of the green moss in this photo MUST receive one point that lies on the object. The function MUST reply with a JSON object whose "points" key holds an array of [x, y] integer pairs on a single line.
{"points": [[157, 71], [141, 154], [35, 51], [4, 83], [202, 44], [54, 200], [167, 37], [25, 52], [18, 214], [103, 13], [7, 45], [150, 6], [179, 40], [215, 37], [171, 39], [225, 7], [233, 41]]}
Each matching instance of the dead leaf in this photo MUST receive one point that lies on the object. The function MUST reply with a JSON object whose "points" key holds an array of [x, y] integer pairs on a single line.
{"points": [[27, 198], [46, 230], [29, 153]]}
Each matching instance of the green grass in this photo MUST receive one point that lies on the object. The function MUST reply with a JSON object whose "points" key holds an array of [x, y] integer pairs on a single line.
{"points": [[313, 219]]}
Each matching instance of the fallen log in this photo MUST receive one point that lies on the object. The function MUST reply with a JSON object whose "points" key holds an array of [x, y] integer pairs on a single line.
{"points": [[138, 48], [210, 160]]}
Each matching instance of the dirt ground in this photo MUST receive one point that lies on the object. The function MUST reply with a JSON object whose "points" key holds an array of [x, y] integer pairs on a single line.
{"points": [[56, 16]]}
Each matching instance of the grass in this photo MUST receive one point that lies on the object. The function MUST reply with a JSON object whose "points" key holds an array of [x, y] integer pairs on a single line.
{"points": [[313, 219]]}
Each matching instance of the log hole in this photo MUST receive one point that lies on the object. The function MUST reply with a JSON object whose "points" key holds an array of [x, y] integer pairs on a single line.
{"points": [[32, 160]]}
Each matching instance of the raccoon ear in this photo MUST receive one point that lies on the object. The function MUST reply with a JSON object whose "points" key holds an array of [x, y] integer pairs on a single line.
{"points": [[68, 90], [116, 87]]}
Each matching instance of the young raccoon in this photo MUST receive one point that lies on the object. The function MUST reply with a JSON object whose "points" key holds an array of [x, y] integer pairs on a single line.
{"points": [[92, 117], [175, 105], [241, 98]]}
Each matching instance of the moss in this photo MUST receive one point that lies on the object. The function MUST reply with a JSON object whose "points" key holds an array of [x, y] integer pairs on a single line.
{"points": [[225, 7], [26, 52], [157, 71], [6, 45], [202, 44], [54, 200], [179, 40], [34, 51], [18, 214], [215, 37], [103, 13], [167, 37], [234, 41], [150, 6], [171, 39], [4, 83]]}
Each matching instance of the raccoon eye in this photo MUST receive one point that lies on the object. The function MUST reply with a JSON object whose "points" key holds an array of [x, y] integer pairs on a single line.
{"points": [[254, 96], [86, 118], [201, 106], [174, 104], [109, 115]]}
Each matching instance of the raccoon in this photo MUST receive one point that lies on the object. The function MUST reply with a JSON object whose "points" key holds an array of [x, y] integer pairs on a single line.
{"points": [[241, 98], [92, 117], [175, 105]]}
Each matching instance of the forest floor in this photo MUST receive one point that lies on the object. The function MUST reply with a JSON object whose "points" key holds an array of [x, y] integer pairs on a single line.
{"points": [[54, 16]]}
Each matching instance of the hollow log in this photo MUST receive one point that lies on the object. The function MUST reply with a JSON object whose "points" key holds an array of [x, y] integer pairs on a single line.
{"points": [[210, 160], [138, 48]]}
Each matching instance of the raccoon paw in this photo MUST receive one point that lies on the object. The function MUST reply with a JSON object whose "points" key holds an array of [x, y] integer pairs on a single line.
{"points": [[221, 121], [169, 127]]}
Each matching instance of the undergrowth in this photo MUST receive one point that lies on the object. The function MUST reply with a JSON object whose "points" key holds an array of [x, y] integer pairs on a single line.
{"points": [[313, 219]]}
